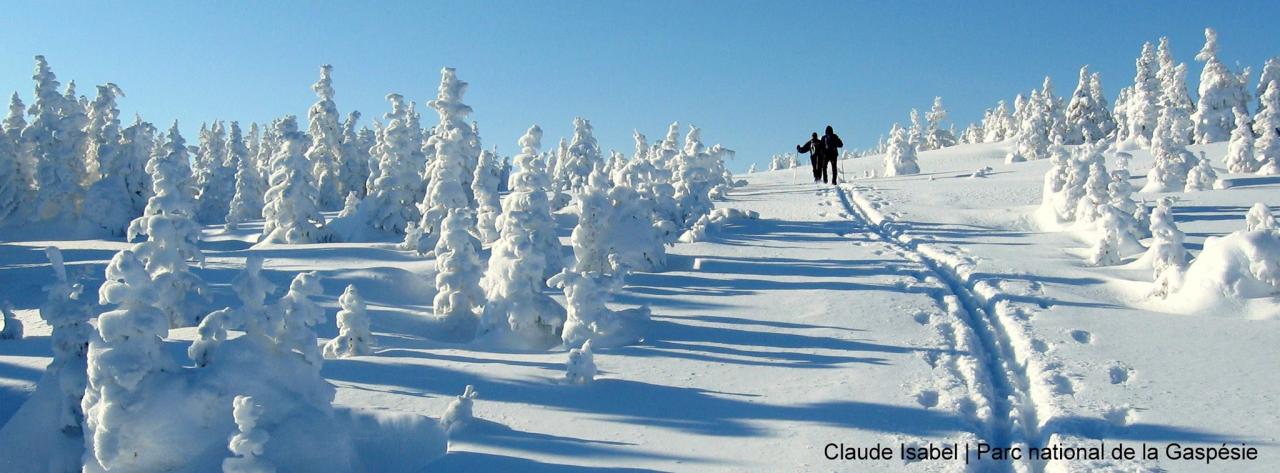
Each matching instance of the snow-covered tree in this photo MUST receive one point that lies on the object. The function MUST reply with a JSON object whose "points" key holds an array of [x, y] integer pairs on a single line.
{"points": [[900, 159], [326, 143], [692, 179], [458, 273], [126, 352], [915, 134], [1214, 116], [1121, 192], [252, 289], [68, 316], [246, 203], [1032, 139], [390, 205], [1201, 176], [136, 143], [456, 135], [1259, 218], [103, 201], [12, 127], [172, 234], [1053, 108], [290, 213], [297, 315], [1270, 73], [215, 176], [1103, 117], [937, 137], [1167, 253], [518, 313], [1096, 190], [485, 187], [583, 155], [48, 144], [13, 184], [1169, 146], [1268, 121], [10, 326], [1106, 248], [589, 319], [581, 368], [639, 235], [353, 171], [1142, 106], [354, 337], [1087, 119], [249, 441], [591, 237], [1240, 153], [459, 411], [996, 127]]}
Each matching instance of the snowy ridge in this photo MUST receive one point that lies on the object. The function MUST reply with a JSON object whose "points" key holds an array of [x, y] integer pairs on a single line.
{"points": [[1023, 398]]}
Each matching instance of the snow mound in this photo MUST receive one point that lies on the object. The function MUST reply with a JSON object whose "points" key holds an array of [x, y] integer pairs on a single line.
{"points": [[714, 220], [1231, 274]]}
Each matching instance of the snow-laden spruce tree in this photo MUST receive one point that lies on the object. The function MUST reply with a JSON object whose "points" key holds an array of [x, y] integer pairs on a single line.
{"points": [[1053, 108], [136, 143], [1053, 193], [459, 411], [937, 137], [215, 176], [249, 441], [1088, 117], [1106, 248], [68, 316], [246, 203], [172, 234], [1169, 146], [915, 134], [1240, 152], [325, 149], [390, 205], [354, 337], [458, 273], [639, 234], [12, 127], [290, 212], [297, 314], [462, 138], [972, 134], [592, 236], [75, 139], [581, 367], [1259, 218], [1121, 192], [353, 170], [420, 154], [1142, 106], [589, 319], [123, 357], [13, 185], [1032, 139], [485, 186], [252, 289], [518, 313], [692, 180], [103, 200], [1201, 176], [448, 188], [996, 127], [582, 156], [48, 146], [1103, 117], [1096, 190], [1173, 90], [266, 150], [1270, 73], [1268, 120], [1167, 254], [900, 159], [1214, 115]]}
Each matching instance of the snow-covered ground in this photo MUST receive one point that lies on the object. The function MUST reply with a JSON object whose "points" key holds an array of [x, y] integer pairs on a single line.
{"points": [[917, 309]]}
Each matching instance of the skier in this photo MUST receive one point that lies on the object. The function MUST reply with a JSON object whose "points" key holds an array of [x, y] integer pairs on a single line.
{"points": [[831, 144], [816, 153]]}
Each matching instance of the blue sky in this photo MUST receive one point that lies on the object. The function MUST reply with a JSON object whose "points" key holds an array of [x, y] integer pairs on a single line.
{"points": [[755, 76]]}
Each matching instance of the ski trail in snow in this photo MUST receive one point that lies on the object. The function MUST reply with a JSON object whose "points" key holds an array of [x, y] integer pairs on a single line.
{"points": [[1014, 418]]}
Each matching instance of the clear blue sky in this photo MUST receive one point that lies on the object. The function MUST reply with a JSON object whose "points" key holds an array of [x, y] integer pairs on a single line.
{"points": [[756, 76]]}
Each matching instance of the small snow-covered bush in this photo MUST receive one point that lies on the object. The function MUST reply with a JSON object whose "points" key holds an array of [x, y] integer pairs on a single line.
{"points": [[581, 368], [68, 315], [1167, 254], [1259, 218], [249, 442], [459, 412], [900, 159], [353, 337], [458, 273], [1201, 177], [716, 219], [588, 316]]}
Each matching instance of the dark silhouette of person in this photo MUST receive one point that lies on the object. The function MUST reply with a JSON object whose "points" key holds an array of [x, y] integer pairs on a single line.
{"points": [[831, 145], [816, 153]]}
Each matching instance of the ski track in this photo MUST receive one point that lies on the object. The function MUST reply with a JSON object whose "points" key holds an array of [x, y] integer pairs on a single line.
{"points": [[1015, 416]]}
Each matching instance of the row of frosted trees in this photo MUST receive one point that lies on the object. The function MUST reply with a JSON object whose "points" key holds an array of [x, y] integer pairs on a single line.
{"points": [[1156, 112]]}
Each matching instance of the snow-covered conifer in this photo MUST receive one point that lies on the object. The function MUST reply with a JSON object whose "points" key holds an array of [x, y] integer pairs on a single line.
{"points": [[1240, 153], [589, 319], [1096, 189], [127, 350], [1086, 118], [996, 127], [353, 171], [1259, 218], [900, 159], [325, 149], [937, 137], [249, 441], [1106, 249], [12, 127], [485, 187], [246, 203], [297, 315], [58, 170], [691, 178], [518, 312], [591, 237], [1142, 106], [459, 411], [172, 234], [582, 157], [103, 201], [354, 337], [1214, 115], [1167, 254], [1268, 121], [68, 316], [463, 141], [458, 272], [215, 177], [1169, 145], [581, 368], [915, 134], [1103, 117], [390, 205], [252, 289], [1032, 139], [1121, 192], [13, 184], [290, 213], [1201, 176]]}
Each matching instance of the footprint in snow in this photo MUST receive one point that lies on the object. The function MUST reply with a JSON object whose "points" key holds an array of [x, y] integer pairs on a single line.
{"points": [[1120, 374], [1062, 385], [921, 318], [1082, 336], [927, 398], [1040, 346]]}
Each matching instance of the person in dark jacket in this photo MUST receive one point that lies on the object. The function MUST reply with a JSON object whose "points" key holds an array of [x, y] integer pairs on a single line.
{"points": [[816, 153], [831, 145]]}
